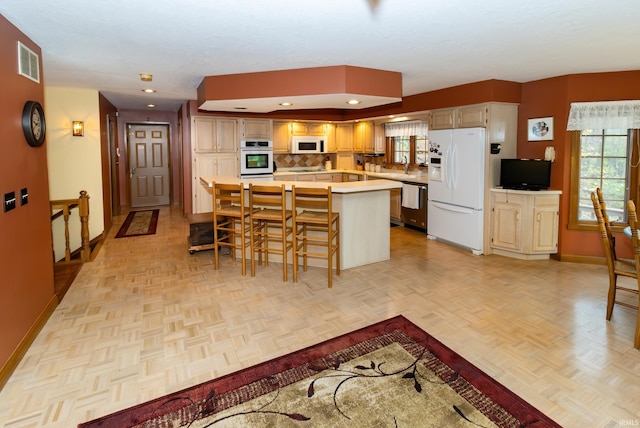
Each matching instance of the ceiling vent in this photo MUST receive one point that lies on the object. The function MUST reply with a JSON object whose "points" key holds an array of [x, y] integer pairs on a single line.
{"points": [[28, 64]]}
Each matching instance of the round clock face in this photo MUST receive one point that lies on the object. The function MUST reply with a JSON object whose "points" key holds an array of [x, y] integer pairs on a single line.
{"points": [[33, 123]]}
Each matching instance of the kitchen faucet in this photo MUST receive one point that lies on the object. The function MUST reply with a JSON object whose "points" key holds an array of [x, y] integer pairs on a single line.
{"points": [[406, 165]]}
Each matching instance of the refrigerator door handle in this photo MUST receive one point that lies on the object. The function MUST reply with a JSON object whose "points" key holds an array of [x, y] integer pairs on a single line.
{"points": [[452, 208], [448, 169], [454, 166]]}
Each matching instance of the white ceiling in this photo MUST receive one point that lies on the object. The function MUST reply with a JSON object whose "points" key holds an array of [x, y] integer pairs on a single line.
{"points": [[105, 45]]}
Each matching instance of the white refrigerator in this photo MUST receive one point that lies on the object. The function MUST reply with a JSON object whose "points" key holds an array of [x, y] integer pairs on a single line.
{"points": [[456, 186]]}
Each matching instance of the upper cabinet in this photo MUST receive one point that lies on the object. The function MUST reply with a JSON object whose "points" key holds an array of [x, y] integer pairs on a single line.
{"points": [[379, 140], [283, 131], [256, 129], [281, 137], [462, 117], [344, 137], [363, 139], [214, 135], [308, 128]]}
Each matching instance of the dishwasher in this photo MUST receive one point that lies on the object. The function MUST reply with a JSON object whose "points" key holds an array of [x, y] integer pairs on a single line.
{"points": [[413, 212]]}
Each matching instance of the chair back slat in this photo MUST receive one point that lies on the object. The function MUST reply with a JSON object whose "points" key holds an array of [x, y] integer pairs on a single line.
{"points": [[606, 237], [267, 196], [312, 198]]}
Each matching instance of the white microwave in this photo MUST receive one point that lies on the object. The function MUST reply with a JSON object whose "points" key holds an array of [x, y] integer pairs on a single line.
{"points": [[310, 144]]}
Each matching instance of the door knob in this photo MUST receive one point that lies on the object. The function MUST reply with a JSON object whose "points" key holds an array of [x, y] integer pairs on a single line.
{"points": [[133, 171]]}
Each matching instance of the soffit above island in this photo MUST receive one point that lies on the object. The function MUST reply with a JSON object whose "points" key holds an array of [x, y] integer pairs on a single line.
{"points": [[305, 88]]}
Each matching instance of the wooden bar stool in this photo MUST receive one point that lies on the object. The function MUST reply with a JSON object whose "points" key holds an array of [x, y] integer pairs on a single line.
{"points": [[271, 226], [315, 226], [230, 223]]}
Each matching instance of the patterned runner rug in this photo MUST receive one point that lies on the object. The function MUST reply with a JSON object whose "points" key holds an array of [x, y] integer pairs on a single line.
{"points": [[390, 374], [139, 223]]}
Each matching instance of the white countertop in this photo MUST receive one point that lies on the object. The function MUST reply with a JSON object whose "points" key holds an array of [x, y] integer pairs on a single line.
{"points": [[389, 174], [345, 187]]}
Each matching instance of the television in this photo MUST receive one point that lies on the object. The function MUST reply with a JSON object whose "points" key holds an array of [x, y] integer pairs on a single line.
{"points": [[525, 174]]}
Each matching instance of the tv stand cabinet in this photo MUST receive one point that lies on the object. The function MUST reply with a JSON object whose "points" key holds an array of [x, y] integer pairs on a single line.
{"points": [[524, 224]]}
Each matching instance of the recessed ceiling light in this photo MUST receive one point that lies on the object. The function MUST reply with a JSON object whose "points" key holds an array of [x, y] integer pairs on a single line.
{"points": [[146, 77], [353, 102], [148, 90], [151, 105], [286, 104], [240, 108]]}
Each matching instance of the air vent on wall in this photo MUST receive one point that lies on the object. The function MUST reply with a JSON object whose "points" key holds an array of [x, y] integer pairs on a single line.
{"points": [[28, 64]]}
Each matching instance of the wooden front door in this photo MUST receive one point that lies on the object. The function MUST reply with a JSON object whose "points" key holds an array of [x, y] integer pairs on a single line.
{"points": [[149, 164]]}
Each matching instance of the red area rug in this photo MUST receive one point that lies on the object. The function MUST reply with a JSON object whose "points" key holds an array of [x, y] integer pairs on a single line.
{"points": [[139, 223], [388, 374]]}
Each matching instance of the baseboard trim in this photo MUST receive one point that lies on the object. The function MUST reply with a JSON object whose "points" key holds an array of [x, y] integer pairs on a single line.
{"points": [[576, 258], [14, 359]]}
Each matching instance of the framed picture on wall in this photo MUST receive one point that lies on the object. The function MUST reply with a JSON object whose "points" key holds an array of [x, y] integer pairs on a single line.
{"points": [[540, 129]]}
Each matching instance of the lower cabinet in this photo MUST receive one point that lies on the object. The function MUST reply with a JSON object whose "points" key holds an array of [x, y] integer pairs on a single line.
{"points": [[395, 199], [524, 224], [210, 165]]}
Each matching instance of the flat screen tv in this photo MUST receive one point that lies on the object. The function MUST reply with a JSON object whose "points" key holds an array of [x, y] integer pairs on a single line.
{"points": [[525, 174]]}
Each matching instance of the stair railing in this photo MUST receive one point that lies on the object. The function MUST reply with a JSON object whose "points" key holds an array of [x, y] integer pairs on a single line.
{"points": [[64, 207]]}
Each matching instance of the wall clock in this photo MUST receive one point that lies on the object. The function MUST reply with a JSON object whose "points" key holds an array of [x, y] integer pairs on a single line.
{"points": [[33, 123]]}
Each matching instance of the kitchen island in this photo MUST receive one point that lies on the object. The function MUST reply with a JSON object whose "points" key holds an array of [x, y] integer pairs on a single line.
{"points": [[364, 215]]}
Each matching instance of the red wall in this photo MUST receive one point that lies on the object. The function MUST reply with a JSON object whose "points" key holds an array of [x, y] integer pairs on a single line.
{"points": [[26, 286], [553, 97]]}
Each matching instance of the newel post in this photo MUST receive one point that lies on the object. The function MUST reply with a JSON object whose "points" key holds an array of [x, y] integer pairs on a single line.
{"points": [[83, 206]]}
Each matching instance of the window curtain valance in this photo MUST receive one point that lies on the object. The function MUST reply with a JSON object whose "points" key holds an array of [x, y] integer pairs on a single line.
{"points": [[604, 115], [405, 129]]}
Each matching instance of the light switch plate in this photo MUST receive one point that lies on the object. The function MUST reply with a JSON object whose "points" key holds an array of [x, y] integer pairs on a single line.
{"points": [[9, 201], [24, 196]]}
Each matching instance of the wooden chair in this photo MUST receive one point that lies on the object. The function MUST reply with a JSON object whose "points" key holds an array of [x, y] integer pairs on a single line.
{"points": [[617, 267], [270, 224], [635, 243], [316, 226], [230, 223]]}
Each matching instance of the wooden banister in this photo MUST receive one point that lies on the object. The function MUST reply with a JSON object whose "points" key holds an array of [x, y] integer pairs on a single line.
{"points": [[63, 207]]}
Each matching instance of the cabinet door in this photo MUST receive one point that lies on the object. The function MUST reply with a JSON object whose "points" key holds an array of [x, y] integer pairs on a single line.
{"points": [[443, 119], [507, 226], [316, 129], [281, 137], [226, 135], [330, 133], [203, 130], [379, 140], [306, 177], [228, 164], [256, 129], [344, 137], [299, 129], [545, 230], [396, 202], [473, 116], [363, 139], [324, 177], [202, 199]]}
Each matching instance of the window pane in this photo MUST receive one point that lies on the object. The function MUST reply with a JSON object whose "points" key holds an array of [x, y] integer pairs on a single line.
{"points": [[603, 163]]}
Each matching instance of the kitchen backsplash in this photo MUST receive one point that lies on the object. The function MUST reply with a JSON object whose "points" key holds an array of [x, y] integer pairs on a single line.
{"points": [[293, 161]]}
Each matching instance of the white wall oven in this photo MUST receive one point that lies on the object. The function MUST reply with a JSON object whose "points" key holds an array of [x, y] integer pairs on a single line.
{"points": [[256, 159]]}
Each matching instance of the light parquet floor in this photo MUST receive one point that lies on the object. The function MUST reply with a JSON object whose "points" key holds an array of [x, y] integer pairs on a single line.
{"points": [[147, 318]]}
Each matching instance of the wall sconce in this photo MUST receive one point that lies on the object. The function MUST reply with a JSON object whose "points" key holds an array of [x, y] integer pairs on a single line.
{"points": [[77, 128]]}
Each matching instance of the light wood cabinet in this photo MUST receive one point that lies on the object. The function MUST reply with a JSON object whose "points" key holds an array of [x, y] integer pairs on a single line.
{"points": [[210, 165], [281, 137], [330, 133], [351, 177], [395, 208], [344, 137], [443, 119], [256, 129], [379, 140], [363, 137], [213, 135], [524, 223], [307, 128], [472, 116]]}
